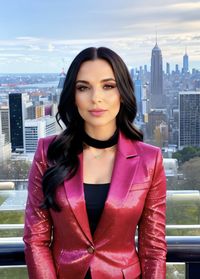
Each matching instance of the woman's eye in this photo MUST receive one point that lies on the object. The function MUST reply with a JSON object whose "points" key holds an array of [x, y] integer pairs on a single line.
{"points": [[109, 86], [82, 88]]}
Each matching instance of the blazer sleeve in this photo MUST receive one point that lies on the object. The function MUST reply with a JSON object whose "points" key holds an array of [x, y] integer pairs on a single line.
{"points": [[152, 248], [38, 224]]}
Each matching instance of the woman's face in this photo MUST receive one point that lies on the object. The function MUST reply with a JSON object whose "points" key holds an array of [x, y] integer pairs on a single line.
{"points": [[97, 96]]}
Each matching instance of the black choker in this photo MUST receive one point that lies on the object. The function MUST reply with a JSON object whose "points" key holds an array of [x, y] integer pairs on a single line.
{"points": [[101, 143]]}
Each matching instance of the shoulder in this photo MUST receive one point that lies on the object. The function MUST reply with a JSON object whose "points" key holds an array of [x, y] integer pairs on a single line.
{"points": [[151, 158], [150, 154], [42, 147], [47, 140], [143, 147], [130, 147]]}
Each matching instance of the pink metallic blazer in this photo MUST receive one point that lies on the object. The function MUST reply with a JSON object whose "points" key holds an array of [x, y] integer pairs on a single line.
{"points": [[60, 244]]}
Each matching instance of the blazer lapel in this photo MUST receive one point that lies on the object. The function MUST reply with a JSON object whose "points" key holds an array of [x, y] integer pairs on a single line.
{"points": [[125, 168], [75, 195]]}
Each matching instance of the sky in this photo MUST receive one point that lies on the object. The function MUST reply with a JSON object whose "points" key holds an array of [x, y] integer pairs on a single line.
{"points": [[45, 35]]}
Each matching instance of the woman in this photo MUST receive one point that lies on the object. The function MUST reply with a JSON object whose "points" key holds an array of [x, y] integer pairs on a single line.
{"points": [[93, 184]]}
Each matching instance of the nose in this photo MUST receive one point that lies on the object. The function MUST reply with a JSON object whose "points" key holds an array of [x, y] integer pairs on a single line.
{"points": [[96, 95]]}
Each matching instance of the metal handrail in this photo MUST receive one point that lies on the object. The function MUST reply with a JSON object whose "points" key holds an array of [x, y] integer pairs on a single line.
{"points": [[177, 227], [171, 227], [11, 226], [179, 249]]}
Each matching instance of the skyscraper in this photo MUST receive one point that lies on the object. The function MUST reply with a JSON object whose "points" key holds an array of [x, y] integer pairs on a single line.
{"points": [[37, 128], [189, 119], [17, 103], [5, 150], [167, 68], [56, 97], [138, 94], [185, 63], [156, 78], [5, 125]]}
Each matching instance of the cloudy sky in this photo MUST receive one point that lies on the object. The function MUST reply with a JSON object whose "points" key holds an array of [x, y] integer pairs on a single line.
{"points": [[45, 35]]}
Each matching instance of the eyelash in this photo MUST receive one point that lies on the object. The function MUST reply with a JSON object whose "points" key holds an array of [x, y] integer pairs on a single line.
{"points": [[83, 88], [109, 86]]}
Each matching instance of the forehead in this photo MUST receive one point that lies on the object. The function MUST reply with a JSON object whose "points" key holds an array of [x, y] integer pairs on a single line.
{"points": [[98, 68]]}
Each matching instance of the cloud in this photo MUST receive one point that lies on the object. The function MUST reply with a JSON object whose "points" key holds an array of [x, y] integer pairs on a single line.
{"points": [[127, 26], [28, 39], [188, 6], [12, 55]]}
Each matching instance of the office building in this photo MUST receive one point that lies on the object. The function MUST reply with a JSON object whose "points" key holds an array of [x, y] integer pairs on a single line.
{"points": [[17, 115], [185, 63], [5, 148], [189, 119], [177, 71], [138, 95], [155, 118], [38, 128], [167, 68], [156, 78], [56, 97], [5, 123], [35, 111], [145, 103]]}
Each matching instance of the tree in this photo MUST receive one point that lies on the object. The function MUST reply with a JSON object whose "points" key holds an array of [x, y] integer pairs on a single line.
{"points": [[190, 170], [186, 154]]}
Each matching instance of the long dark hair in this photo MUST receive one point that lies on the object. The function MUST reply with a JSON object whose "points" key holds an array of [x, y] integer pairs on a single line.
{"points": [[63, 152]]}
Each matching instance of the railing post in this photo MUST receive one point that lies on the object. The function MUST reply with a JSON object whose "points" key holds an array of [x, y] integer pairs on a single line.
{"points": [[192, 270]]}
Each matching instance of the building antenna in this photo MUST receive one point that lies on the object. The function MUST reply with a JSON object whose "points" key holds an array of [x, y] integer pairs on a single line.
{"points": [[156, 35]]}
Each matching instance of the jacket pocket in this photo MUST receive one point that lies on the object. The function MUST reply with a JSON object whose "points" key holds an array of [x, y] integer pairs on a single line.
{"points": [[133, 271]]}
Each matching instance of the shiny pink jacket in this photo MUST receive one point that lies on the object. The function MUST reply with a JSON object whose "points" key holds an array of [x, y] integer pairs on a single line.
{"points": [[60, 245]]}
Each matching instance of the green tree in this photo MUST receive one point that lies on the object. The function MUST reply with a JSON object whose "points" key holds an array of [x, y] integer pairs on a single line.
{"points": [[190, 170], [186, 154]]}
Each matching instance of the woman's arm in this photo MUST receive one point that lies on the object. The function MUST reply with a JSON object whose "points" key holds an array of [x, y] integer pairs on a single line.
{"points": [[152, 247], [38, 225]]}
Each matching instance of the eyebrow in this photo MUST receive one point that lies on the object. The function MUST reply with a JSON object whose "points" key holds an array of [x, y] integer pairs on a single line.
{"points": [[103, 80]]}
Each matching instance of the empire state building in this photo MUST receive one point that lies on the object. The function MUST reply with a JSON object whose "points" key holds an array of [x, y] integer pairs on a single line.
{"points": [[156, 78]]}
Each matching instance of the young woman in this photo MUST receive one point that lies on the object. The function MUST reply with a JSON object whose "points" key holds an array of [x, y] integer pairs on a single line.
{"points": [[92, 185]]}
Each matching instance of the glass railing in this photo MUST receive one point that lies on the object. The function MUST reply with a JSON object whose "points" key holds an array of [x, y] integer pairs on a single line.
{"points": [[183, 222]]}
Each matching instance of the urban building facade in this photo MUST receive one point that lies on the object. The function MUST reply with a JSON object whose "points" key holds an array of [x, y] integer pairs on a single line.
{"points": [[38, 128], [5, 123], [5, 149], [189, 119], [17, 115]]}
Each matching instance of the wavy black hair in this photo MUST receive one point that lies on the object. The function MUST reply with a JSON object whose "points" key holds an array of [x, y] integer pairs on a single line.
{"points": [[63, 152]]}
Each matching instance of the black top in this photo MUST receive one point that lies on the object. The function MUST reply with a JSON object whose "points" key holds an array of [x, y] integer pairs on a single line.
{"points": [[95, 197]]}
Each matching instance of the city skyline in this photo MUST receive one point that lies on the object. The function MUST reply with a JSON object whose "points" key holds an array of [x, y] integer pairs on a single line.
{"points": [[45, 36]]}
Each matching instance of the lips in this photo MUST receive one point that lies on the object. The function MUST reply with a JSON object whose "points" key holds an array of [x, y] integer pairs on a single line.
{"points": [[97, 112]]}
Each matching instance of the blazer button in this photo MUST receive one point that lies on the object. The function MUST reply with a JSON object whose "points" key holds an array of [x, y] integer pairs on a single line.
{"points": [[90, 250]]}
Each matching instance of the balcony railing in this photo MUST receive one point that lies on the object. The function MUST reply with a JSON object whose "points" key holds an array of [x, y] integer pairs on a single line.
{"points": [[183, 217], [180, 249]]}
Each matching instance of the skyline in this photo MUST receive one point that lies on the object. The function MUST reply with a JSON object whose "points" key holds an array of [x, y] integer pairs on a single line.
{"points": [[35, 37]]}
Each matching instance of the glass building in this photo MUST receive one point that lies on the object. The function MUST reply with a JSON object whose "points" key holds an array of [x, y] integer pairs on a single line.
{"points": [[17, 116]]}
